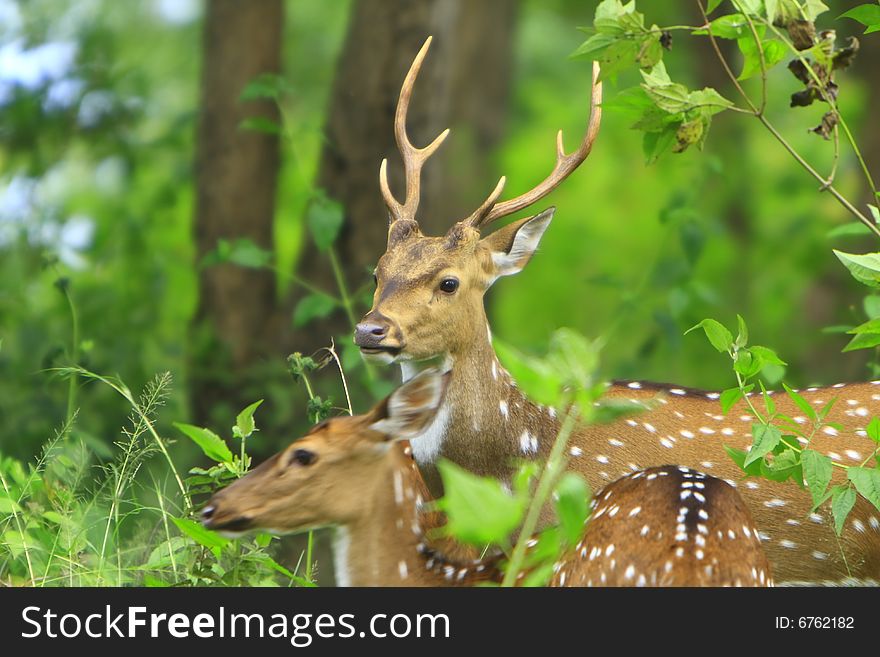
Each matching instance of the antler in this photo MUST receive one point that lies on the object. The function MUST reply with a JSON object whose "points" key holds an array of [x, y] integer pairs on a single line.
{"points": [[413, 158], [565, 164]]}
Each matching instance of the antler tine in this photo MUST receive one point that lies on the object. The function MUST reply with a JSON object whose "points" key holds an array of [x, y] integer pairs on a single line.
{"points": [[565, 164], [476, 219], [413, 158]]}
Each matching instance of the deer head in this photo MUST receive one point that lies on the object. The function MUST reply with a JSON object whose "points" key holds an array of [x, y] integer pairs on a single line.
{"points": [[429, 290], [300, 488]]}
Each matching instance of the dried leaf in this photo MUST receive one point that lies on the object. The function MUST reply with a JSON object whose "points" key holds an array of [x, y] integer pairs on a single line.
{"points": [[799, 70], [666, 39], [844, 57], [802, 33], [803, 98], [829, 121]]}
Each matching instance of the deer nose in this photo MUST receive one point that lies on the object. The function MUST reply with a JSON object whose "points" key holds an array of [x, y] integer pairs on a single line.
{"points": [[373, 332], [370, 329], [208, 512]]}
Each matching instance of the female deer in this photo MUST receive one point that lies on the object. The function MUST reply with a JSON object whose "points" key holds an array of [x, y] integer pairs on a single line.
{"points": [[661, 527], [428, 308]]}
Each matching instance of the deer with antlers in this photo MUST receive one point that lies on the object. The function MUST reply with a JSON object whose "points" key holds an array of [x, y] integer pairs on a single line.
{"points": [[428, 309], [668, 526]]}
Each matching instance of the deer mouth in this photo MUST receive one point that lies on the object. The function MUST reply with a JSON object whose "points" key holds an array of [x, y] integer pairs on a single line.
{"points": [[232, 526], [381, 354]]}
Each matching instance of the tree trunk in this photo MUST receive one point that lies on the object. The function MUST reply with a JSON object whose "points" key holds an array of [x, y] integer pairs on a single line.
{"points": [[463, 84], [236, 174]]}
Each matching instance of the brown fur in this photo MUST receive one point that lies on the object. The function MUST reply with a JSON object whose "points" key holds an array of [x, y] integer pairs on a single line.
{"points": [[369, 487], [488, 420]]}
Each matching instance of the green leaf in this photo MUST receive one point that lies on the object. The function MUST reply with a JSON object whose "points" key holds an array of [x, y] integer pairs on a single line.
{"points": [[260, 124], [786, 465], [266, 85], [325, 218], [774, 52], [739, 457], [862, 341], [729, 26], [538, 576], [843, 498], [730, 396], [667, 95], [868, 15], [751, 7], [244, 421], [718, 335], [813, 9], [712, 5], [871, 305], [210, 443], [742, 336], [802, 403], [817, 472], [864, 268], [54, 517], [873, 429], [199, 534], [852, 229], [618, 57], [708, 99], [650, 51], [765, 438], [537, 379], [313, 306], [8, 506], [479, 510], [867, 483], [572, 506], [746, 364], [612, 409], [242, 252], [875, 213], [871, 326], [594, 47], [655, 144], [766, 355]]}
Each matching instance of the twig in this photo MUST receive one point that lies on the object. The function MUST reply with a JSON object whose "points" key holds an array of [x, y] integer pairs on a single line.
{"points": [[776, 134], [542, 493]]}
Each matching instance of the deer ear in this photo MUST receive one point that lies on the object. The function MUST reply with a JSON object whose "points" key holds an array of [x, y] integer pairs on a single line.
{"points": [[407, 411], [513, 246]]}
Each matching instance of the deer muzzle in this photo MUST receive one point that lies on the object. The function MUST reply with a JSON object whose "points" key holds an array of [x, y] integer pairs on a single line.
{"points": [[375, 334]]}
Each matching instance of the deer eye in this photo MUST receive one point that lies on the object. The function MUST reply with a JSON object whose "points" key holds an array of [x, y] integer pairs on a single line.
{"points": [[302, 457], [449, 285]]}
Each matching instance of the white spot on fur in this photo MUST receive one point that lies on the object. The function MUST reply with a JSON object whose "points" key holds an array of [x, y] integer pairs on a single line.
{"points": [[528, 444], [341, 545], [426, 447]]}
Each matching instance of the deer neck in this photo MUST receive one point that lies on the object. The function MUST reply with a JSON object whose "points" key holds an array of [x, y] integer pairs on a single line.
{"points": [[485, 421], [386, 544]]}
